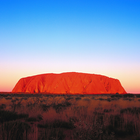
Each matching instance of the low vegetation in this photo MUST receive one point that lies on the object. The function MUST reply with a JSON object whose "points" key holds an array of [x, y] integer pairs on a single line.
{"points": [[69, 117]]}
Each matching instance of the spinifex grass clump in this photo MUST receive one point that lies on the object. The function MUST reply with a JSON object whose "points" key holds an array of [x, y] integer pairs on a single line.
{"points": [[6, 116], [61, 106], [51, 134], [2, 106], [133, 110], [120, 128], [55, 129], [15, 130], [78, 98], [45, 107], [93, 131], [58, 124]]}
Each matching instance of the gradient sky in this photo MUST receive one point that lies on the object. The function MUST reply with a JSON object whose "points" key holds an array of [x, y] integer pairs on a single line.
{"points": [[54, 36]]}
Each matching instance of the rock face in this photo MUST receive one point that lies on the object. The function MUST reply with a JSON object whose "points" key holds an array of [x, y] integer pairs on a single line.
{"points": [[69, 83]]}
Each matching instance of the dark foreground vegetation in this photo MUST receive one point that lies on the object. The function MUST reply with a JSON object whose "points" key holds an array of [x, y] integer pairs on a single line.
{"points": [[69, 117]]}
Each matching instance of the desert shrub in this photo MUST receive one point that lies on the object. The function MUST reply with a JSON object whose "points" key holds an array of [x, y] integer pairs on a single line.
{"points": [[15, 130], [101, 99], [4, 95], [134, 110], [128, 95], [63, 124], [100, 120], [116, 95], [66, 104], [45, 107], [8, 98], [108, 110], [130, 128], [93, 98], [138, 95], [52, 134], [39, 117], [78, 98], [2, 106], [25, 98], [13, 101], [14, 105], [22, 116], [58, 124], [30, 104], [86, 99], [108, 99], [32, 119], [117, 132], [9, 116], [69, 98], [95, 131], [43, 125], [119, 128], [19, 104], [56, 134], [116, 120], [73, 119], [59, 107]]}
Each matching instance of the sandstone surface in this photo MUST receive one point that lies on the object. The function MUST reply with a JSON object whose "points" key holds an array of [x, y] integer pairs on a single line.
{"points": [[69, 83]]}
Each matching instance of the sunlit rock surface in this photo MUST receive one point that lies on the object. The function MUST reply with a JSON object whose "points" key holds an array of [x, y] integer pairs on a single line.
{"points": [[69, 83]]}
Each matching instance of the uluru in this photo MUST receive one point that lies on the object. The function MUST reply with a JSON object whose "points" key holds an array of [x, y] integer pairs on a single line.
{"points": [[69, 83]]}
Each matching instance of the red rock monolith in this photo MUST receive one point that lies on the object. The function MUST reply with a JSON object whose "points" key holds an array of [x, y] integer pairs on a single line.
{"points": [[69, 83]]}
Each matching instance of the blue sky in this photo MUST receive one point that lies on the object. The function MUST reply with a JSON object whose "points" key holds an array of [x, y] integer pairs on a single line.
{"points": [[98, 36]]}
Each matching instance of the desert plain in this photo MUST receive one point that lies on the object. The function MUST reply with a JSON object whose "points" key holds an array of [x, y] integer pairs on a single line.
{"points": [[69, 117]]}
